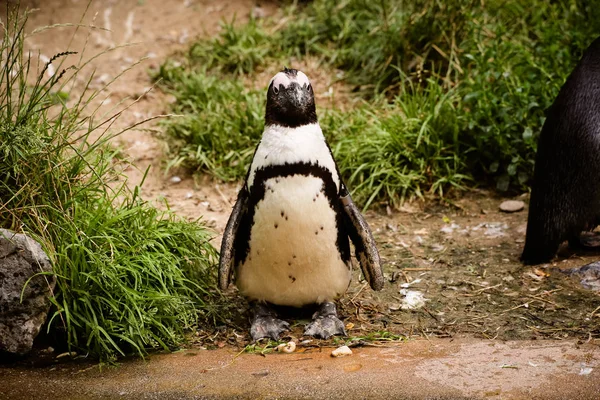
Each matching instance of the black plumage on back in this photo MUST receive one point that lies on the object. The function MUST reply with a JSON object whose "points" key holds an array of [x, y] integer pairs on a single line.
{"points": [[565, 195]]}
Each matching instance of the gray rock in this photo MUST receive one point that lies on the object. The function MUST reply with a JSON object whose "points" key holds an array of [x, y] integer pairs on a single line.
{"points": [[510, 206], [20, 321]]}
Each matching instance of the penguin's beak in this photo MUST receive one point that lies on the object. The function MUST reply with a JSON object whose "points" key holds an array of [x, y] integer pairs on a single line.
{"points": [[301, 94], [295, 99], [298, 95]]}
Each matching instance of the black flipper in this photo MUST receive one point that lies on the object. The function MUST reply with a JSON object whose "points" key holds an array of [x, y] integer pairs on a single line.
{"points": [[227, 250], [362, 239]]}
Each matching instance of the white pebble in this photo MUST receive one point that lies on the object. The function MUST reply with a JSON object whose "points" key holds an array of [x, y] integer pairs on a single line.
{"points": [[175, 179], [341, 352]]}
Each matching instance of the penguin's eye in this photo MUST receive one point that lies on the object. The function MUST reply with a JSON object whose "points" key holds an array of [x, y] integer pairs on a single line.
{"points": [[275, 89], [309, 87]]}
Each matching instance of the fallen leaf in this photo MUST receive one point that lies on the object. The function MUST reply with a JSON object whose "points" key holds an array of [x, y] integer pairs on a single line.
{"points": [[540, 272]]}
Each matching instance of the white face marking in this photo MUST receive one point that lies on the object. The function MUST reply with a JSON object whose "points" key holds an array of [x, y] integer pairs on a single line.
{"points": [[302, 79], [281, 78]]}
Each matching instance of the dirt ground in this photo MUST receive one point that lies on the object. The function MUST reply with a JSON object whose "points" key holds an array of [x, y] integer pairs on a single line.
{"points": [[440, 369], [457, 260]]}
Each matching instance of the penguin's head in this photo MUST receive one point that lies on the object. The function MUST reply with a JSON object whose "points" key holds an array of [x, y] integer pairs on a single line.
{"points": [[290, 100]]}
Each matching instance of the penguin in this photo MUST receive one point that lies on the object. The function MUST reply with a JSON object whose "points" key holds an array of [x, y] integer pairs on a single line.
{"points": [[287, 238], [565, 193]]}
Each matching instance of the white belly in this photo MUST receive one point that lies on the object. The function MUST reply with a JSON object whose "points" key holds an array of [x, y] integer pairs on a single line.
{"points": [[293, 258]]}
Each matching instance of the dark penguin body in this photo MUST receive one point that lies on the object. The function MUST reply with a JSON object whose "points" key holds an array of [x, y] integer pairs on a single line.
{"points": [[287, 239], [565, 195]]}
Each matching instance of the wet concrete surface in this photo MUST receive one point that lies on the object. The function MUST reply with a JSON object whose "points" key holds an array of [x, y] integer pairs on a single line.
{"points": [[420, 369]]}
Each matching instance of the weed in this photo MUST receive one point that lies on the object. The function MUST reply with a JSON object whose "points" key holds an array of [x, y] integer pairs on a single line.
{"points": [[263, 347], [377, 337]]}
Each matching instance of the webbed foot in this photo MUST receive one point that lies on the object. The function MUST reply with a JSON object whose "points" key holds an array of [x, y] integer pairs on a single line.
{"points": [[265, 323], [325, 323]]}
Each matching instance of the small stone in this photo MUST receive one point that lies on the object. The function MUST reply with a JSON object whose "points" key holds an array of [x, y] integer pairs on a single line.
{"points": [[288, 347], [175, 179], [511, 206], [341, 351]]}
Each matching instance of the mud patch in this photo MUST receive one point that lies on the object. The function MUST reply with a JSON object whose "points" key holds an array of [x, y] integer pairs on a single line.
{"points": [[497, 368]]}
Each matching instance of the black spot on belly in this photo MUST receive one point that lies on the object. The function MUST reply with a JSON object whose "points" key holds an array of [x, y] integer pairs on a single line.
{"points": [[275, 225], [330, 190], [289, 263], [282, 213], [292, 278], [316, 232], [294, 256], [321, 227]]}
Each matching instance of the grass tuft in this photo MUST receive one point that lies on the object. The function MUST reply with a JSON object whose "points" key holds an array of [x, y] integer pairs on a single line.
{"points": [[456, 91], [129, 277], [219, 126]]}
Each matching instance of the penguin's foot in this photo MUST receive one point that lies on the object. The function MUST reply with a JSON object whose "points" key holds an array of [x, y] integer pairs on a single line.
{"points": [[265, 323], [325, 323], [590, 240]]}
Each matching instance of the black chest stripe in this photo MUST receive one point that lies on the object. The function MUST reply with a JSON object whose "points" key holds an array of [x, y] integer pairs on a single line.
{"points": [[257, 193]]}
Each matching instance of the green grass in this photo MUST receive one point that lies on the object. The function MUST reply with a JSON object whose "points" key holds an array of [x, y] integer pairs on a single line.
{"points": [[393, 150], [129, 277], [220, 123], [455, 92], [379, 337]]}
